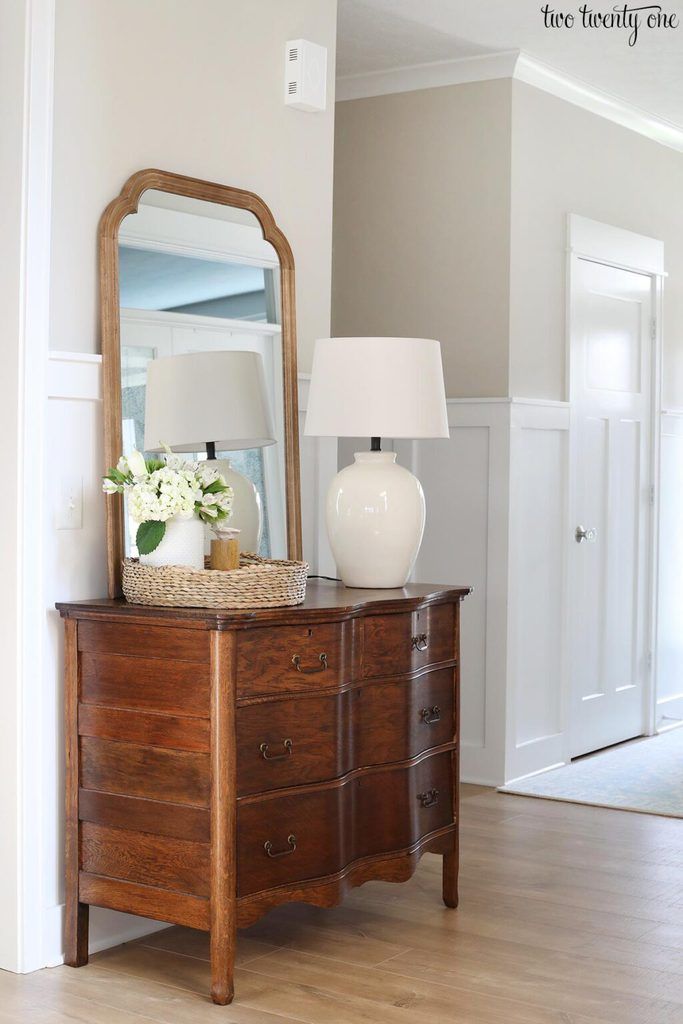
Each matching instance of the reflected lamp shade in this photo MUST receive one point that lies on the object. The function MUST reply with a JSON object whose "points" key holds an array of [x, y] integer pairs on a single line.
{"points": [[215, 401], [376, 387], [200, 397]]}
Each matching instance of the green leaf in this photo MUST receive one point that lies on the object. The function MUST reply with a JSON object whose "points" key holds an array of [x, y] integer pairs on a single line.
{"points": [[150, 536], [154, 464], [215, 488]]}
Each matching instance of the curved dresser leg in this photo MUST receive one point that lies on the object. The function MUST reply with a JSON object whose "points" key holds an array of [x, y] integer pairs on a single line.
{"points": [[222, 961]]}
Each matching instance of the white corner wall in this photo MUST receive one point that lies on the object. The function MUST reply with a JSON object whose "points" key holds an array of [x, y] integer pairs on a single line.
{"points": [[190, 88]]}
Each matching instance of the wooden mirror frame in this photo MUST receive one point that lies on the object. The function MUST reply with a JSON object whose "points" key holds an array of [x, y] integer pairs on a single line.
{"points": [[126, 203]]}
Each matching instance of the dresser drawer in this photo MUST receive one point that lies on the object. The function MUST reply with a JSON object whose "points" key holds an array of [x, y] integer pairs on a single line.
{"points": [[394, 644], [400, 719], [291, 658], [293, 837], [314, 739], [292, 742]]}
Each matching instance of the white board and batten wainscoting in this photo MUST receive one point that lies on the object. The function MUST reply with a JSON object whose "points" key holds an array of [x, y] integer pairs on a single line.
{"points": [[496, 518]]}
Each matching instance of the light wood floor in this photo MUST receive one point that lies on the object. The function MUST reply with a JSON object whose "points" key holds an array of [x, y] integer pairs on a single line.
{"points": [[568, 915]]}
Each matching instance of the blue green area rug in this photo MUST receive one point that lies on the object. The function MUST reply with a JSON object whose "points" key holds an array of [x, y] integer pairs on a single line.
{"points": [[644, 775]]}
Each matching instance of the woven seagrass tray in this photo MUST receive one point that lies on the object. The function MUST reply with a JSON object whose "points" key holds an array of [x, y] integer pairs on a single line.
{"points": [[258, 583]]}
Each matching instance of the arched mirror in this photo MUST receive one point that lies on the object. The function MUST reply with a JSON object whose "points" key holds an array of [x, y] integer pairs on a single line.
{"points": [[199, 349]]}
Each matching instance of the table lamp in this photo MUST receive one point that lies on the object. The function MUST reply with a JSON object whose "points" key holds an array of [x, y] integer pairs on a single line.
{"points": [[376, 387], [213, 401]]}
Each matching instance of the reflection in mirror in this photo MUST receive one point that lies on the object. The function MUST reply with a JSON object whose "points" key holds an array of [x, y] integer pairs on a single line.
{"points": [[200, 299]]}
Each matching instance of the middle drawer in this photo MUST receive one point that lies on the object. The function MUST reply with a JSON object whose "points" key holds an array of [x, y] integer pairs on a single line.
{"points": [[314, 738]]}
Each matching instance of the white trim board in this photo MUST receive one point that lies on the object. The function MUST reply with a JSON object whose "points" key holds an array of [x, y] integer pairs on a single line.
{"points": [[27, 173], [427, 76], [520, 66], [593, 240]]}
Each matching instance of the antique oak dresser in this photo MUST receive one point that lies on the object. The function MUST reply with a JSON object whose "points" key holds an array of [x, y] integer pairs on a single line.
{"points": [[221, 763]]}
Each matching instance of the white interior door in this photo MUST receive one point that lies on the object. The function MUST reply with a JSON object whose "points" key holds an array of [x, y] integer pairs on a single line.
{"points": [[610, 395]]}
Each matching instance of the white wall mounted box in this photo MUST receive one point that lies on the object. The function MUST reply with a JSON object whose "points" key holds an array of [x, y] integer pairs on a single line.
{"points": [[305, 75]]}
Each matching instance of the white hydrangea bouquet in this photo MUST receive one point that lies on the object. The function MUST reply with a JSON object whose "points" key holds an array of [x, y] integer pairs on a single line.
{"points": [[171, 488]]}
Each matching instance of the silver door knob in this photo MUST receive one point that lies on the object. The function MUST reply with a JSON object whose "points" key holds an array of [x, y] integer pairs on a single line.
{"points": [[581, 534]]}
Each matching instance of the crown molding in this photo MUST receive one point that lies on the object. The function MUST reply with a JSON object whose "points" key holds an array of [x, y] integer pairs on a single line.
{"points": [[427, 76], [517, 65], [604, 104]]}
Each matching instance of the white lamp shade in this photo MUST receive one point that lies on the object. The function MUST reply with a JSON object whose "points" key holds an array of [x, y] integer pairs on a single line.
{"points": [[202, 397], [377, 387]]}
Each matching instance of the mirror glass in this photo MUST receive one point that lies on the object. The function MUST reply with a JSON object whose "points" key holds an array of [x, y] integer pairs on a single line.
{"points": [[200, 293]]}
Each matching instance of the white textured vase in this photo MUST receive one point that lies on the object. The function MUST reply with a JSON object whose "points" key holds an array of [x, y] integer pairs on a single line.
{"points": [[182, 544], [375, 521]]}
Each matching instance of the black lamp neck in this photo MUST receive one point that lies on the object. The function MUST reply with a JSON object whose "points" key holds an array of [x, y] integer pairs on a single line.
{"points": [[211, 449], [375, 444]]}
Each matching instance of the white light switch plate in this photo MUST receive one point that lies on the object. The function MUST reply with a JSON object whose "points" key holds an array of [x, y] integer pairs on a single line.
{"points": [[70, 505]]}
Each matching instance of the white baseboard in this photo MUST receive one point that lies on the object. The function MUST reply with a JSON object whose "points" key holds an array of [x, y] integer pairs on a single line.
{"points": [[107, 928], [540, 771], [476, 780]]}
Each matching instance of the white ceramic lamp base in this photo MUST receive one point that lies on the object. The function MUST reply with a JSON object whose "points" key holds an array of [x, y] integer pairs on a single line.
{"points": [[375, 521], [247, 514]]}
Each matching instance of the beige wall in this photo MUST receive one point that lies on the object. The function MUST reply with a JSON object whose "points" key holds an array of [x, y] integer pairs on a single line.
{"points": [[195, 88], [566, 160], [450, 211], [421, 225]]}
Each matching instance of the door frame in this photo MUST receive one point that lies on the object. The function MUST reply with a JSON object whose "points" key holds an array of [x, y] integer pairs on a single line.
{"points": [[624, 250]]}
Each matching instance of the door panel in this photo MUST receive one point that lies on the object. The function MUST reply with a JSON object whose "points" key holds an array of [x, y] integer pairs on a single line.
{"points": [[610, 393]]}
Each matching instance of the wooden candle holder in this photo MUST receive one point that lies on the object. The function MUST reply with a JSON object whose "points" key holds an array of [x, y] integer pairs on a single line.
{"points": [[225, 554]]}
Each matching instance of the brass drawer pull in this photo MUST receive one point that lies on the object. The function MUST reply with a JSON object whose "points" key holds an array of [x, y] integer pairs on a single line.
{"points": [[296, 662], [420, 642], [430, 798], [268, 847], [287, 744], [431, 715]]}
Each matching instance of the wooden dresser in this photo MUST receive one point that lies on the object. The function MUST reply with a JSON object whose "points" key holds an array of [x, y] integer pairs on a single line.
{"points": [[221, 763]]}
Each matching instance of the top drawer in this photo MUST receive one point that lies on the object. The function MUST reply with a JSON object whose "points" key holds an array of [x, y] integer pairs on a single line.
{"points": [[291, 658], [396, 644]]}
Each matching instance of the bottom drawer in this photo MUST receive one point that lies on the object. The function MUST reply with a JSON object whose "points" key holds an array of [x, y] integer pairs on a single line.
{"points": [[316, 832]]}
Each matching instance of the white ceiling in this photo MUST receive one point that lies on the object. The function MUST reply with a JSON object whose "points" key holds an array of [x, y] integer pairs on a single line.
{"points": [[164, 280], [376, 35]]}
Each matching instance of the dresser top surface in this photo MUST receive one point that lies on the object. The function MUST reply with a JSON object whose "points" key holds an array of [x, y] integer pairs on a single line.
{"points": [[324, 599]]}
